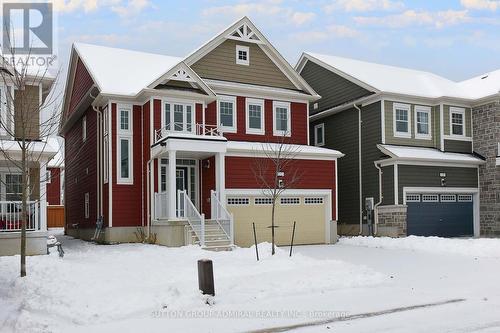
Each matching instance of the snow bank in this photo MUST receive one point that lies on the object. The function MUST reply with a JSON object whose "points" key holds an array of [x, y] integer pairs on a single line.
{"points": [[478, 247], [98, 284]]}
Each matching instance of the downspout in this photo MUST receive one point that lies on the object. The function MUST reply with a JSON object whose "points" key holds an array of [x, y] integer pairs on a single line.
{"points": [[380, 172], [142, 166], [360, 172]]}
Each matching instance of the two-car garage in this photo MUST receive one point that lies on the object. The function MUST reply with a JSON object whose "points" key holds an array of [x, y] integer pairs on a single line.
{"points": [[440, 214]]}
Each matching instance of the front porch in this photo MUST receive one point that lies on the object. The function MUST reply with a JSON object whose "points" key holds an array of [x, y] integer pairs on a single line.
{"points": [[188, 185]]}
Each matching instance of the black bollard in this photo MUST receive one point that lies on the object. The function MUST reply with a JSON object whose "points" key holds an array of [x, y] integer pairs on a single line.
{"points": [[206, 277]]}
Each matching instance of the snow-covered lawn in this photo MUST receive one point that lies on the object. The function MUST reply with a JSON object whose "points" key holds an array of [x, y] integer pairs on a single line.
{"points": [[134, 287]]}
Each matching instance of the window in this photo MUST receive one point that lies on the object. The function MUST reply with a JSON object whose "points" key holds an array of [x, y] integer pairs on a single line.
{"points": [[106, 145], [124, 139], [177, 116], [422, 122], [430, 198], [465, 197], [319, 134], [255, 116], [448, 198], [413, 198], [290, 201], [313, 201], [227, 114], [263, 201], [87, 206], [48, 177], [402, 120], [281, 119], [242, 55], [457, 117], [84, 128], [238, 201], [13, 187], [3, 110]]}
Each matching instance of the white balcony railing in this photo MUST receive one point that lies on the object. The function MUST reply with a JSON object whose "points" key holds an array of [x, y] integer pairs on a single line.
{"points": [[198, 129], [11, 216]]}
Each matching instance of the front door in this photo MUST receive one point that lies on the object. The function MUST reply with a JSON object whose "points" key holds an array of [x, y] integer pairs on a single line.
{"points": [[181, 184]]}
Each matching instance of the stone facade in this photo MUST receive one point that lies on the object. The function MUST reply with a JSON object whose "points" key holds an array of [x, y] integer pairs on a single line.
{"points": [[392, 221], [486, 135]]}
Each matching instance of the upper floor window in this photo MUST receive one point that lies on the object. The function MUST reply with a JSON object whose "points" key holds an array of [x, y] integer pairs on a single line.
{"points": [[457, 121], [422, 122], [178, 116], [281, 119], [84, 128], [227, 113], [242, 55], [3, 111], [319, 134], [402, 120], [106, 145], [48, 176], [255, 116], [124, 149]]}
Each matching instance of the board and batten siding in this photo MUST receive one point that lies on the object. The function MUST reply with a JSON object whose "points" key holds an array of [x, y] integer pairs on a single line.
{"points": [[428, 176], [220, 64], [341, 133], [371, 135], [434, 142], [333, 89]]}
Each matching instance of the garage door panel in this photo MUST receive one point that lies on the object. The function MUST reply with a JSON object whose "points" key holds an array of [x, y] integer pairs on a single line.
{"points": [[445, 219], [310, 223]]}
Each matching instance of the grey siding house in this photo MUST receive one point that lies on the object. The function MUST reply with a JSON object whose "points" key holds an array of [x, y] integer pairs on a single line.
{"points": [[423, 147]]}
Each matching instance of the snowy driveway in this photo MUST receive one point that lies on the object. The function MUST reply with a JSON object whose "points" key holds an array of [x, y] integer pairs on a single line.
{"points": [[133, 287]]}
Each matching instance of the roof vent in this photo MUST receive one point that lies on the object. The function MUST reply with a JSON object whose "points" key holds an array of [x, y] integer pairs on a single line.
{"points": [[484, 77]]}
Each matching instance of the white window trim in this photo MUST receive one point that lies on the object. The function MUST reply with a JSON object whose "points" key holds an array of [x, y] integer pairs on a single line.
{"points": [[244, 49], [84, 128], [289, 116], [124, 135], [184, 103], [259, 102], [423, 109], [87, 205], [228, 129], [404, 107], [461, 111], [3, 108], [316, 142]]}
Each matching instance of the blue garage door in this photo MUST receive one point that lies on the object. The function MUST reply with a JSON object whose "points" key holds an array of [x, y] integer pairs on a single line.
{"points": [[444, 215]]}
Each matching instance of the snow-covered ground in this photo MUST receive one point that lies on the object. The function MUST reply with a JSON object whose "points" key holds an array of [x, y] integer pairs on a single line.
{"points": [[134, 287]]}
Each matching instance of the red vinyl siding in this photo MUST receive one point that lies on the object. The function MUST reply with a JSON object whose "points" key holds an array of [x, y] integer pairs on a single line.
{"points": [[208, 183], [80, 157], [316, 174], [54, 187], [81, 84], [127, 197]]}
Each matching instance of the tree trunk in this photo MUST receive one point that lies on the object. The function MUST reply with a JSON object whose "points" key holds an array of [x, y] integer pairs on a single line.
{"points": [[23, 212], [272, 229]]}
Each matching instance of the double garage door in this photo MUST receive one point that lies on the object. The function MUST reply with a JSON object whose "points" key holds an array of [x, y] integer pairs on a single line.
{"points": [[309, 213], [444, 215]]}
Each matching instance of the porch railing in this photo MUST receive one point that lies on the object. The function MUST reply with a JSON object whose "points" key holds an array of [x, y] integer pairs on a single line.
{"points": [[11, 216], [221, 215], [198, 129], [161, 205], [186, 209]]}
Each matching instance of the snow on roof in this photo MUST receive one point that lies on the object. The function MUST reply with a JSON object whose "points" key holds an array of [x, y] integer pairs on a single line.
{"points": [[58, 160], [483, 85], [123, 72], [302, 150], [406, 81], [427, 154]]}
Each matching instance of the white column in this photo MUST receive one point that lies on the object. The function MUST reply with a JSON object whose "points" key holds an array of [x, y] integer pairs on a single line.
{"points": [[172, 193], [43, 196], [220, 174]]}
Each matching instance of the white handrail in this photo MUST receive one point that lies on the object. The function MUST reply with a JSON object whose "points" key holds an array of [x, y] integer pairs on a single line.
{"points": [[198, 129], [11, 216], [194, 218], [222, 216]]}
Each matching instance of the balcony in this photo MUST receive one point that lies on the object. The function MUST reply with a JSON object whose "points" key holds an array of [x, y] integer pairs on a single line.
{"points": [[181, 130]]}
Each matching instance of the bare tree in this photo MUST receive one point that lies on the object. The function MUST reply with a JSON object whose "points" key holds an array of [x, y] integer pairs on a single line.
{"points": [[29, 115], [276, 171]]}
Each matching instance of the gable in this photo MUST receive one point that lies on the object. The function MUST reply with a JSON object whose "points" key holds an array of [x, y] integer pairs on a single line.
{"points": [[220, 64], [333, 89], [82, 82]]}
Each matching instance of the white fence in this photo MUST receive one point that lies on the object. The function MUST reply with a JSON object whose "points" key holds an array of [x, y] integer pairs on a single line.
{"points": [[11, 216]]}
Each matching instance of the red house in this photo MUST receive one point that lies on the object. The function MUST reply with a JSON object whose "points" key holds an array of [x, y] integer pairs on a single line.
{"points": [[172, 145]]}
